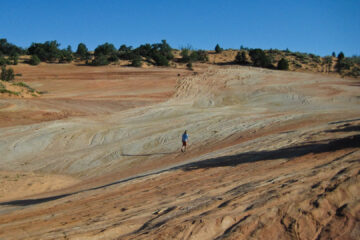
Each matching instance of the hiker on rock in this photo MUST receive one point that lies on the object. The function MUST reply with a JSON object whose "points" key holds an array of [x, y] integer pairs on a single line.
{"points": [[185, 138]]}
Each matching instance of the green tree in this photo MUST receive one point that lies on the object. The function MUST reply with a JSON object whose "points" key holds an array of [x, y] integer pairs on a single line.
{"points": [[259, 58], [65, 56], [241, 58], [341, 56], [48, 51], [100, 60], [9, 49], [105, 49], [333, 54], [159, 53], [340, 63], [283, 64], [144, 50], [82, 52], [218, 49], [126, 53], [7, 74], [164, 49], [4, 61]]}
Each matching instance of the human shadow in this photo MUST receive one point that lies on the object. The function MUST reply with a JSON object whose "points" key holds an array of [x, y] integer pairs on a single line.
{"points": [[346, 128], [27, 202], [345, 121], [252, 156], [34, 201], [146, 154], [283, 153]]}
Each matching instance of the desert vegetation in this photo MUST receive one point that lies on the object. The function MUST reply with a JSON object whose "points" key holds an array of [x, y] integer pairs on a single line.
{"points": [[162, 54], [7, 74]]}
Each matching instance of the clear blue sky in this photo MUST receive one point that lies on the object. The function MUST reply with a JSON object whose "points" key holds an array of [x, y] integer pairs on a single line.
{"points": [[316, 26]]}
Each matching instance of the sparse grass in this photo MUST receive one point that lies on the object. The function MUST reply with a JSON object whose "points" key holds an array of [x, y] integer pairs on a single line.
{"points": [[21, 84], [4, 90], [355, 72]]}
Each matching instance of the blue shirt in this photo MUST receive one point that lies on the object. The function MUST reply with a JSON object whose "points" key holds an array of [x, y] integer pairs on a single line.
{"points": [[185, 137]]}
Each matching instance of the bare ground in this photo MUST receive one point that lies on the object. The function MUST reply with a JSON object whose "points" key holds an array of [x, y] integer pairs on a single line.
{"points": [[272, 155]]}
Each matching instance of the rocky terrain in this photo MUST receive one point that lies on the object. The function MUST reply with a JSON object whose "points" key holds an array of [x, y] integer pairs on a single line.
{"points": [[272, 154]]}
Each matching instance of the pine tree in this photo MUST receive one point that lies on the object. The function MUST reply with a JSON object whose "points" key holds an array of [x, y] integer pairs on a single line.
{"points": [[218, 49]]}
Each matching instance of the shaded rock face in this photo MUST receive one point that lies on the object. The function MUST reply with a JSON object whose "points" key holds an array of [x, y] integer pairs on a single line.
{"points": [[272, 155]]}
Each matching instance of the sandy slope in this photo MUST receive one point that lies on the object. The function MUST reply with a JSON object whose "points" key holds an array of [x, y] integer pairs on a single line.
{"points": [[271, 154]]}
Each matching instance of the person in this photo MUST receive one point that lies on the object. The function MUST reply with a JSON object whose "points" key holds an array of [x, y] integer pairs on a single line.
{"points": [[185, 138]]}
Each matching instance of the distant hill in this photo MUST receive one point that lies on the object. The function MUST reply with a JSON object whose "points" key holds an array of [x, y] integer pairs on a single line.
{"points": [[299, 62], [162, 54]]}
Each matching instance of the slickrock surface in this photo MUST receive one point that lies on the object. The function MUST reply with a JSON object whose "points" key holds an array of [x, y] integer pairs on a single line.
{"points": [[272, 155]]}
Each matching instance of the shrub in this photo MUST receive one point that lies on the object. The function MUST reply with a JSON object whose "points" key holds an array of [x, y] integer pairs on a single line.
{"points": [[34, 60], [3, 73], [346, 64], [298, 65], [100, 60], [193, 56], [65, 56], [355, 72], [4, 61], [199, 55], [218, 49], [14, 59], [113, 57], [189, 66], [21, 84], [160, 60], [355, 59], [283, 64], [7, 74], [185, 54], [327, 61], [136, 62], [241, 58], [315, 58], [259, 58]]}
